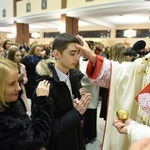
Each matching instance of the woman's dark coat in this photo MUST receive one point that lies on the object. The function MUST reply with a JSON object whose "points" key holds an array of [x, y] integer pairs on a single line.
{"points": [[18, 132], [30, 63]]}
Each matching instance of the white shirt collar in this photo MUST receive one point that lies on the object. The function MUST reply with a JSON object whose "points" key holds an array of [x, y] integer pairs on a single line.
{"points": [[65, 78], [61, 75]]}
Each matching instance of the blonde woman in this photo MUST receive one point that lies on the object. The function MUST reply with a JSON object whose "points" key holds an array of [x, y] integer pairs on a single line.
{"points": [[116, 53], [17, 130], [30, 61]]}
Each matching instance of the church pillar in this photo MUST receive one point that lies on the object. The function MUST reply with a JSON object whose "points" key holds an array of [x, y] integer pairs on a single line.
{"points": [[22, 33], [68, 24]]}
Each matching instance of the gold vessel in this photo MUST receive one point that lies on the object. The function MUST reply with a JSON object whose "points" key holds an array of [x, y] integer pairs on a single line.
{"points": [[122, 114]]}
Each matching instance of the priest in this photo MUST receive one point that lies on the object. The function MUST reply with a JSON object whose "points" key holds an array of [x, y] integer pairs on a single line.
{"points": [[124, 81]]}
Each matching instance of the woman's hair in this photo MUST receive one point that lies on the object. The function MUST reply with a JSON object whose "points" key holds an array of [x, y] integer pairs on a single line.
{"points": [[5, 43], [116, 53], [11, 54], [32, 49], [5, 67]]}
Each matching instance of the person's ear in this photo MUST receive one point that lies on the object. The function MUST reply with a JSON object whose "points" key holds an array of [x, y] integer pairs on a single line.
{"points": [[56, 54]]}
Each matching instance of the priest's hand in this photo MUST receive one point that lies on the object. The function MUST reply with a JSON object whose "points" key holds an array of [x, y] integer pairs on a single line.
{"points": [[121, 125], [85, 51]]}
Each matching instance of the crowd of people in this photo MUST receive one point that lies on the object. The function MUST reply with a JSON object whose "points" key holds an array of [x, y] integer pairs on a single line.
{"points": [[64, 99]]}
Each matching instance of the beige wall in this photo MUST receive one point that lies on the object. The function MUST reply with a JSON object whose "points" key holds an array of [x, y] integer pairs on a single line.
{"points": [[36, 7], [82, 3], [52, 6], [3, 35], [9, 8]]}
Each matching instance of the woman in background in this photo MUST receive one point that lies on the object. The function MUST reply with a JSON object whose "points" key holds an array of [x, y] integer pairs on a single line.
{"points": [[6, 46], [30, 61], [14, 55], [1, 51], [116, 53]]}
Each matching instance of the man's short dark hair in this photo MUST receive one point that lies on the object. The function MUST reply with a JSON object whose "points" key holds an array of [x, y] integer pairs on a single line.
{"points": [[62, 41]]}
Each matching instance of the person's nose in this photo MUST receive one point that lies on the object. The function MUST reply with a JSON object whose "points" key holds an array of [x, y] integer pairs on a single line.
{"points": [[78, 57], [18, 88]]}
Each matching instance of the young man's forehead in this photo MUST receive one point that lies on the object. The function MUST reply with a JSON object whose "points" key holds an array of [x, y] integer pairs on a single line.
{"points": [[73, 50]]}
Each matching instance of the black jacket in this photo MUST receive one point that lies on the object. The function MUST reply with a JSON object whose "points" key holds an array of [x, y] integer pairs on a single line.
{"points": [[18, 132], [66, 129]]}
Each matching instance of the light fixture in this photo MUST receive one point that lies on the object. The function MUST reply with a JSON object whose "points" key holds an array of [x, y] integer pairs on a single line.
{"points": [[10, 35], [62, 28], [35, 35], [129, 33]]}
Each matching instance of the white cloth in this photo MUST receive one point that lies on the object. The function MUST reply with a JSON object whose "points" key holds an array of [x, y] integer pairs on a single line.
{"points": [[137, 131], [90, 87]]}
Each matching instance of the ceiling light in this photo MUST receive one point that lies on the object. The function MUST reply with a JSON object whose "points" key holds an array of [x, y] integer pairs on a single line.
{"points": [[62, 28], [130, 33], [35, 35], [10, 35]]}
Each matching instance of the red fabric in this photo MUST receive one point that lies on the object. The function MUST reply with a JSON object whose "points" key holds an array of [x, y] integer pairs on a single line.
{"points": [[143, 99], [94, 70], [145, 90]]}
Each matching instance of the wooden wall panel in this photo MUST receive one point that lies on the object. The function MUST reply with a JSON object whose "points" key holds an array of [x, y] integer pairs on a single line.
{"points": [[26, 33], [22, 31]]}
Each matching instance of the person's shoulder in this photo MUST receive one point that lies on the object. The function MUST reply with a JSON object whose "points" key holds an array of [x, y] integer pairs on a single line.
{"points": [[25, 58], [43, 68], [76, 73], [22, 65]]}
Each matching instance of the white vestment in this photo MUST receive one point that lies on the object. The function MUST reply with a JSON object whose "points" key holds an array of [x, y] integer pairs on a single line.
{"points": [[126, 81], [137, 131]]}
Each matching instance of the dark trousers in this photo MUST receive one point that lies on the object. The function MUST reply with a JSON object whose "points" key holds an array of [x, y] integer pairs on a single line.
{"points": [[90, 124], [104, 96]]}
